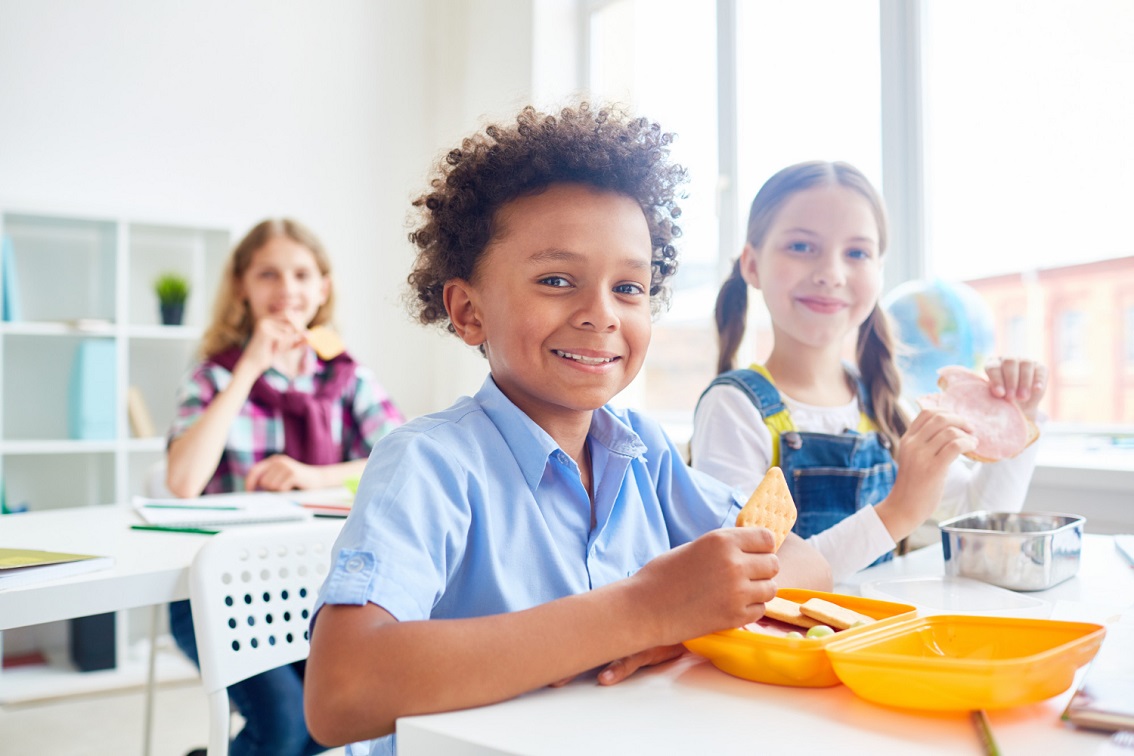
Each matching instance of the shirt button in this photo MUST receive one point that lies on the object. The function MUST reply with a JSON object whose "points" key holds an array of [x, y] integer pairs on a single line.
{"points": [[354, 564], [561, 458]]}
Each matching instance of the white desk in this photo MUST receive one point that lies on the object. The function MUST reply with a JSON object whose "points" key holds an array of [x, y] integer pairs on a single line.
{"points": [[150, 567], [688, 706]]}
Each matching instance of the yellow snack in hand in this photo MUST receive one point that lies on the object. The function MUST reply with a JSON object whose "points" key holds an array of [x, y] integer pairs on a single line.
{"points": [[770, 506]]}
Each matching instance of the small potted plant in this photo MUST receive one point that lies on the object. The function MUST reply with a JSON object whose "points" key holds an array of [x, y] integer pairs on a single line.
{"points": [[172, 290]]}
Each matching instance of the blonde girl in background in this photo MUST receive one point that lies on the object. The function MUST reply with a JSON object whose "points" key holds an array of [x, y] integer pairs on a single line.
{"points": [[863, 475], [263, 410]]}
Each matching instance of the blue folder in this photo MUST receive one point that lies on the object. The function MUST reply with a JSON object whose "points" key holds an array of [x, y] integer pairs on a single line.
{"points": [[91, 405]]}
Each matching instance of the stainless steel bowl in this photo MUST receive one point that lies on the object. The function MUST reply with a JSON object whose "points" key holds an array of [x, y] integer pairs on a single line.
{"points": [[1024, 551]]}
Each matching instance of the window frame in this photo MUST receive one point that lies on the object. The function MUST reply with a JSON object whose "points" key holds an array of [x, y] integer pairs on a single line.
{"points": [[902, 39]]}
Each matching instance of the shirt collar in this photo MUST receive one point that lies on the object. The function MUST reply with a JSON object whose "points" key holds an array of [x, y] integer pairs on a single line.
{"points": [[532, 445]]}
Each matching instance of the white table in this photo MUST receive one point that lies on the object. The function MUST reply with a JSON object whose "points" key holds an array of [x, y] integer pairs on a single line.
{"points": [[688, 706], [150, 567]]}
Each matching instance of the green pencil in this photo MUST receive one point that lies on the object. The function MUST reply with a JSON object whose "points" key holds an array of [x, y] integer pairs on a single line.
{"points": [[186, 506], [170, 529]]}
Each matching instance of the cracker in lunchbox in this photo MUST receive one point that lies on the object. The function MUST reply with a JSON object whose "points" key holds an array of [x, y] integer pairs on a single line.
{"points": [[788, 611], [770, 506], [838, 617]]}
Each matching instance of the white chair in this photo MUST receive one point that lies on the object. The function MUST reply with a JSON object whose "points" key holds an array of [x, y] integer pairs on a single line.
{"points": [[252, 589]]}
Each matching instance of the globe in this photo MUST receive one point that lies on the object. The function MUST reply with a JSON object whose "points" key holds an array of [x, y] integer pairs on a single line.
{"points": [[939, 323]]}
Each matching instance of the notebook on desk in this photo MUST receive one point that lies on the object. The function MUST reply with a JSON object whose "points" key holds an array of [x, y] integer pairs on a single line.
{"points": [[219, 510], [24, 566]]}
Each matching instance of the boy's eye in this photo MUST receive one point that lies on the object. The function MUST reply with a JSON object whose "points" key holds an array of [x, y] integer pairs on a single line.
{"points": [[630, 288], [800, 247], [859, 254], [558, 282]]}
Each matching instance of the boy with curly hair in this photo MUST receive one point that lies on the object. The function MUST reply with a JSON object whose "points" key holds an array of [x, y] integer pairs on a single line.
{"points": [[533, 516]]}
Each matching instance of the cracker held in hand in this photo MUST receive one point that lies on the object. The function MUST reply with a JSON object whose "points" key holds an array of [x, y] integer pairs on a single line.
{"points": [[325, 342], [770, 506]]}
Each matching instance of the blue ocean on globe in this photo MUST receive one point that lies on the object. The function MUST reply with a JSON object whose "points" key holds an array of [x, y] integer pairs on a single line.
{"points": [[939, 323]]}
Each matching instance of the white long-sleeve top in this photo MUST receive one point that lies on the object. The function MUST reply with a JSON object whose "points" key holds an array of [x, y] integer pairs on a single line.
{"points": [[731, 442]]}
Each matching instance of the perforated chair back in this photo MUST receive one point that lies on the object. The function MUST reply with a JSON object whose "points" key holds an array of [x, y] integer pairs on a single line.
{"points": [[252, 589]]}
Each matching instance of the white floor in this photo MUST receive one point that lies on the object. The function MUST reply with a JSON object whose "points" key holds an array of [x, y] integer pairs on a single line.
{"points": [[109, 724]]}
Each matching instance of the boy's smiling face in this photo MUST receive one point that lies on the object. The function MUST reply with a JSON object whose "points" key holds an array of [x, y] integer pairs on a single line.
{"points": [[560, 300]]}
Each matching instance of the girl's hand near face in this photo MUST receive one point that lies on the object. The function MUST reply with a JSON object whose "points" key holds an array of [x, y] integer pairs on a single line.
{"points": [[270, 338], [932, 442], [1022, 381]]}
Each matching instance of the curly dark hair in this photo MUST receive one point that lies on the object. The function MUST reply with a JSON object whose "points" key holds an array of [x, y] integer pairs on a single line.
{"points": [[605, 148]]}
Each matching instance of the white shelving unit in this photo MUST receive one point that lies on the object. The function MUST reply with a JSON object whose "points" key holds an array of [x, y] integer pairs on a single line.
{"points": [[79, 278]]}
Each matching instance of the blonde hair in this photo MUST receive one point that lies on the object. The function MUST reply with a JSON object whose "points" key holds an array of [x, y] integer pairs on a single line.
{"points": [[875, 344], [232, 322]]}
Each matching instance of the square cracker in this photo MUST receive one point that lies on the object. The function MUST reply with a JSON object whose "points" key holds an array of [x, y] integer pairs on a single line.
{"points": [[838, 617], [788, 611], [770, 506], [325, 342]]}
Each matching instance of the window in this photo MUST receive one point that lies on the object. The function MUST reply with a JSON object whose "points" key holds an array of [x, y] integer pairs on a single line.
{"points": [[790, 104], [1027, 165], [1128, 335], [1017, 129], [1069, 338], [1016, 335], [677, 88]]}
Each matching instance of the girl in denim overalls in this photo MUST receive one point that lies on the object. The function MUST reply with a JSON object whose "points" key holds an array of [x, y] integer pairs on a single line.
{"points": [[862, 474]]}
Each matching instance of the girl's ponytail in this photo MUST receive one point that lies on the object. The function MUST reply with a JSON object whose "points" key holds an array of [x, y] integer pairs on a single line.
{"points": [[875, 352], [731, 313]]}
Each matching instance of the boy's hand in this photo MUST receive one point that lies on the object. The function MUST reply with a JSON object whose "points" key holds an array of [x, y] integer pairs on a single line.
{"points": [[718, 581], [280, 472], [619, 669], [1022, 381]]}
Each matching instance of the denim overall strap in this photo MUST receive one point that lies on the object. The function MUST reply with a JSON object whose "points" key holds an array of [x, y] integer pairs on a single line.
{"points": [[758, 387], [765, 396]]}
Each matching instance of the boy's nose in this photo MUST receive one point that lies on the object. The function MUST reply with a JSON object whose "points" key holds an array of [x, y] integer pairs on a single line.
{"points": [[597, 312]]}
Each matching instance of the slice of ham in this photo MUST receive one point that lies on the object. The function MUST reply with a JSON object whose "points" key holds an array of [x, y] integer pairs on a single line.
{"points": [[1001, 429]]}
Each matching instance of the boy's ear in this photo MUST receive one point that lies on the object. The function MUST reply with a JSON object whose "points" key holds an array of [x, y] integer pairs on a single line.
{"points": [[748, 266], [460, 303]]}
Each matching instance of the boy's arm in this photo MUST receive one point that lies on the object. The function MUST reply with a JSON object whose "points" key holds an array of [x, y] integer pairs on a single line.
{"points": [[366, 669]]}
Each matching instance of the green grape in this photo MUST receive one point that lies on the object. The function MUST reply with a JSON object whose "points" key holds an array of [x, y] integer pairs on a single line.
{"points": [[819, 631]]}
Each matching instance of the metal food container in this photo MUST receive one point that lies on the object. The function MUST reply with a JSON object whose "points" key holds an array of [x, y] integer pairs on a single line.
{"points": [[1024, 551]]}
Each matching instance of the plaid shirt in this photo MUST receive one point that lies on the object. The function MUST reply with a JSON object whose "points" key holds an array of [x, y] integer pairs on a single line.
{"points": [[257, 433]]}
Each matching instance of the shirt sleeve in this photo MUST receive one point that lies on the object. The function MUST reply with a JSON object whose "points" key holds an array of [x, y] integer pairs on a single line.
{"points": [[407, 530], [730, 440], [193, 398], [693, 502], [994, 486], [853, 543], [373, 415]]}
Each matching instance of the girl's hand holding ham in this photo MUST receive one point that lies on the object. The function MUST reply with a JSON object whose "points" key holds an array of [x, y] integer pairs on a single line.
{"points": [[933, 441], [1022, 381]]}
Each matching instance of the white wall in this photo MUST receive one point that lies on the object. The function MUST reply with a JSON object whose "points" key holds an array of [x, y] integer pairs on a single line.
{"points": [[216, 112]]}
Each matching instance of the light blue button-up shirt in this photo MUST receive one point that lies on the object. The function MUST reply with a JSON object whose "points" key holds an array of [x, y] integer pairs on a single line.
{"points": [[476, 510]]}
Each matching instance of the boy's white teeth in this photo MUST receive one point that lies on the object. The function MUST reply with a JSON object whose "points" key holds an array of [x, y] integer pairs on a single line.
{"points": [[584, 360]]}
